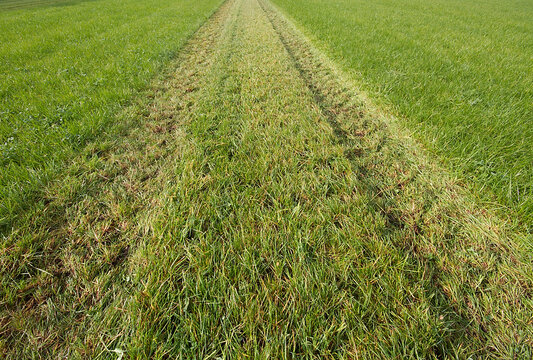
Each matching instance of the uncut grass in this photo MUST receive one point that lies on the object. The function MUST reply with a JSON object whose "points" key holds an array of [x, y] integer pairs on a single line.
{"points": [[264, 210], [458, 73], [66, 71]]}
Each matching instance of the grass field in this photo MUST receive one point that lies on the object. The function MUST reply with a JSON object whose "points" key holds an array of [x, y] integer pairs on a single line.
{"points": [[66, 68], [458, 73], [253, 205], [248, 203]]}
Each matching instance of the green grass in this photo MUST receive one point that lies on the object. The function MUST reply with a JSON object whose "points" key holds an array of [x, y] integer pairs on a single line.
{"points": [[28, 4], [253, 206], [459, 74], [66, 68]]}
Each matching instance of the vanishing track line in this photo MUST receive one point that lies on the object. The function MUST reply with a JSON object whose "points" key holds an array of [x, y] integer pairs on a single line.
{"points": [[261, 207]]}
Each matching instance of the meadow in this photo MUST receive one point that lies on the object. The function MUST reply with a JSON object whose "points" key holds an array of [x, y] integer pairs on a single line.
{"points": [[234, 196], [66, 68], [458, 73]]}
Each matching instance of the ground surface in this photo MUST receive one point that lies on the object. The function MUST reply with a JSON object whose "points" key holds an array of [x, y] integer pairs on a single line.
{"points": [[257, 206]]}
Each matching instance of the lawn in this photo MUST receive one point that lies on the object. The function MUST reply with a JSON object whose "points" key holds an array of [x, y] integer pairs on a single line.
{"points": [[458, 73], [66, 68]]}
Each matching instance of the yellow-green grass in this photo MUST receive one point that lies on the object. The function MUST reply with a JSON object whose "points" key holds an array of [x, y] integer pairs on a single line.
{"points": [[459, 74], [65, 71], [254, 206]]}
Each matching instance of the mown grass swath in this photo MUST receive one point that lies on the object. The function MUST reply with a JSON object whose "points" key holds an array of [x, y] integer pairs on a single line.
{"points": [[458, 73], [65, 71], [257, 207]]}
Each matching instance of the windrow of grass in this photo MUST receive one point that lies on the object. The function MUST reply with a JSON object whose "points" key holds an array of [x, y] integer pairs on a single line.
{"points": [[459, 74], [261, 209], [66, 70]]}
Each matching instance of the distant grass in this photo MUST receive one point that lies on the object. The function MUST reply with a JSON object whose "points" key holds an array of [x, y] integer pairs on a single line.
{"points": [[255, 207], [27, 4], [66, 70], [458, 72]]}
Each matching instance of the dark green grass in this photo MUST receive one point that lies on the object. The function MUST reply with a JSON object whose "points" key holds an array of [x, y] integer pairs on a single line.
{"points": [[458, 73], [66, 70]]}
